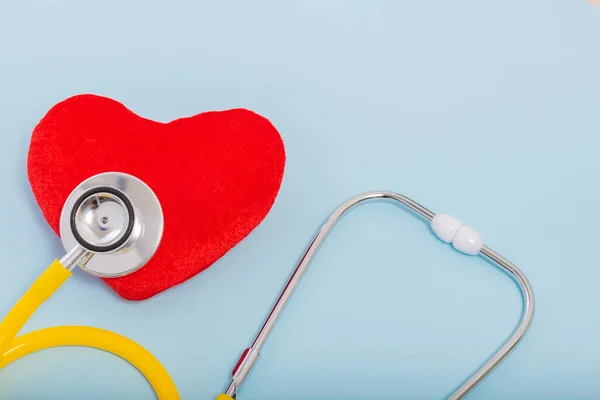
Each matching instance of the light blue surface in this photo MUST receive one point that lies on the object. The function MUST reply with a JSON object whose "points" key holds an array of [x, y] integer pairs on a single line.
{"points": [[485, 110]]}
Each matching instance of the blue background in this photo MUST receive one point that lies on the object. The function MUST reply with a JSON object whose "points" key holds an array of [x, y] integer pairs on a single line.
{"points": [[488, 110]]}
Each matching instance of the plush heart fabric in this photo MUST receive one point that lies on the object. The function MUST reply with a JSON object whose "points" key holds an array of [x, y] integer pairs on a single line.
{"points": [[216, 175]]}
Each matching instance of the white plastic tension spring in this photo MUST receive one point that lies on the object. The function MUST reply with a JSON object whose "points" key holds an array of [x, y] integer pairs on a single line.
{"points": [[463, 237]]}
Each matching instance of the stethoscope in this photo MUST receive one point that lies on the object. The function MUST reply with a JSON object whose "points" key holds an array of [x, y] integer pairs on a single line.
{"points": [[112, 224]]}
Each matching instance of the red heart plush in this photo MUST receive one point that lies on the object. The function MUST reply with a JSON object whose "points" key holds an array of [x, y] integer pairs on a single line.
{"points": [[216, 175]]}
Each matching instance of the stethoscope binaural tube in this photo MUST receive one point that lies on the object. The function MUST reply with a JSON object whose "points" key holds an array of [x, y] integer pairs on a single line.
{"points": [[449, 229], [111, 225]]}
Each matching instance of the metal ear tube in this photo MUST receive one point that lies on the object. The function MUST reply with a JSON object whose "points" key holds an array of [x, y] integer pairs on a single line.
{"points": [[464, 238]]}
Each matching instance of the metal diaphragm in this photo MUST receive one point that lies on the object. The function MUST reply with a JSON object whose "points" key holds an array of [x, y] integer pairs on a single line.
{"points": [[117, 218]]}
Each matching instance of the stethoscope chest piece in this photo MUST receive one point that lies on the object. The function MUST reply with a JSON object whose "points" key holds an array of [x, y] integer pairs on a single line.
{"points": [[117, 218]]}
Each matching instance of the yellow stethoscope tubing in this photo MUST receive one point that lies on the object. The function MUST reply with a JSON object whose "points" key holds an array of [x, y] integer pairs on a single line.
{"points": [[13, 347]]}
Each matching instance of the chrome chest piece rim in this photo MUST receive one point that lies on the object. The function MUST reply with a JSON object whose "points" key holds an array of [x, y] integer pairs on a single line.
{"points": [[116, 217]]}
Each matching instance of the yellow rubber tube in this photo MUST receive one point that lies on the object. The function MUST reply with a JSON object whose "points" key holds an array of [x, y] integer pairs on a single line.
{"points": [[224, 397], [13, 347]]}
